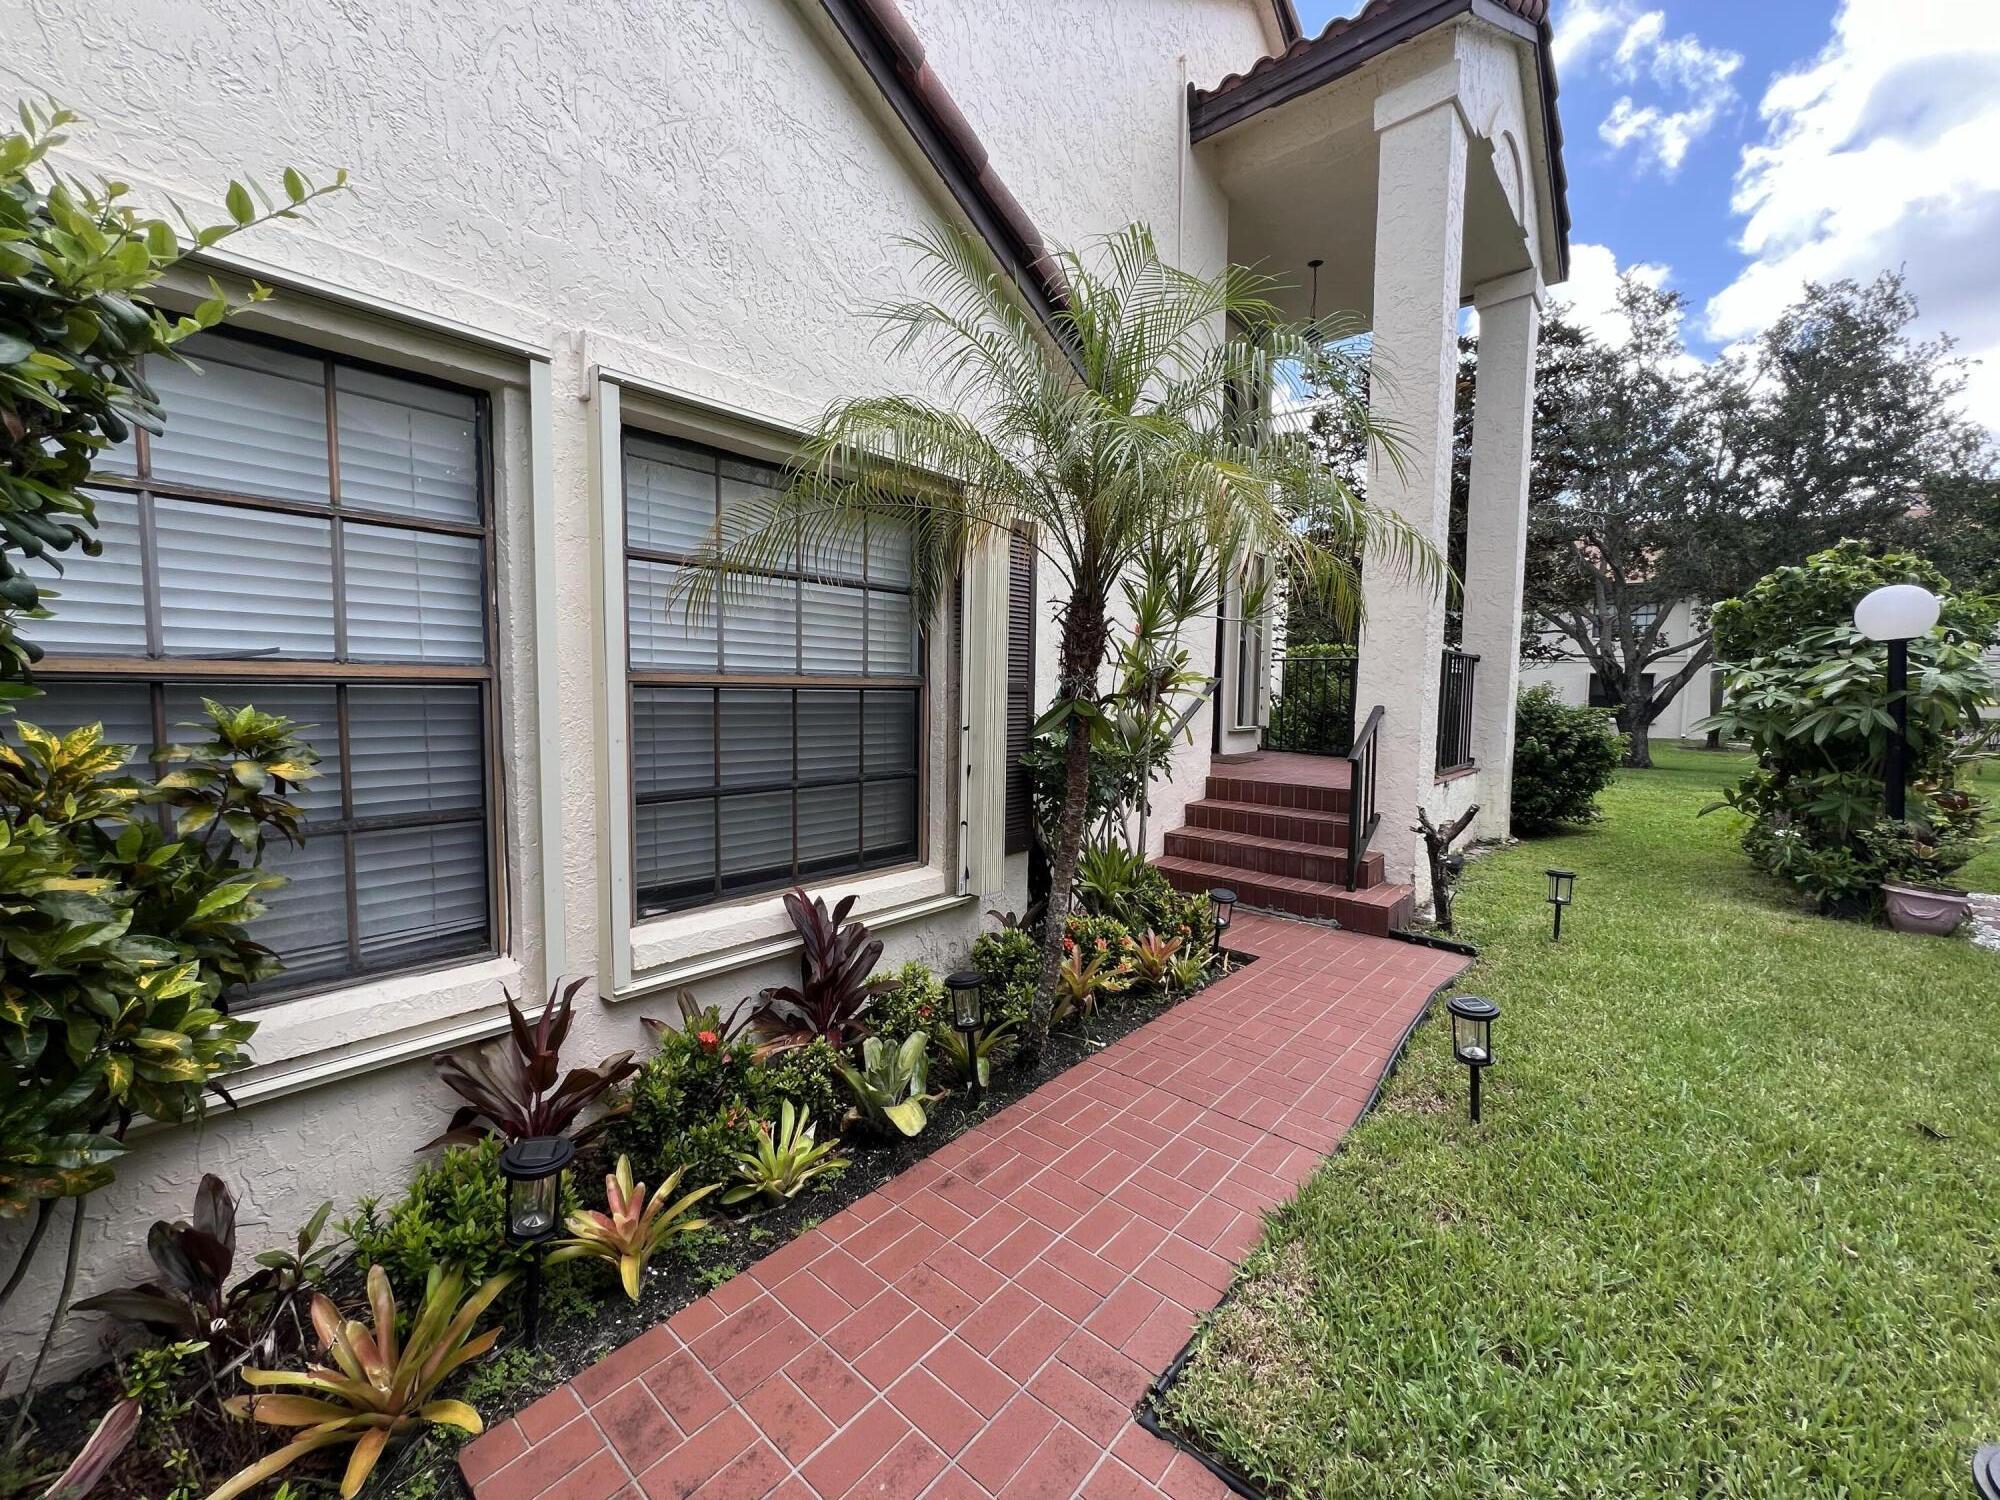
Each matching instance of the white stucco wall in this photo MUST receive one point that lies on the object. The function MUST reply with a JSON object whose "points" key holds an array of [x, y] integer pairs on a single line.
{"points": [[702, 196], [1571, 679]]}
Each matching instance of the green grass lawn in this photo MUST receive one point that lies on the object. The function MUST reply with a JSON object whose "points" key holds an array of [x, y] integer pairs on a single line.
{"points": [[1729, 1227]]}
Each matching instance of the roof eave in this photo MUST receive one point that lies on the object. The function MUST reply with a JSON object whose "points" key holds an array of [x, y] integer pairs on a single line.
{"points": [[1346, 46]]}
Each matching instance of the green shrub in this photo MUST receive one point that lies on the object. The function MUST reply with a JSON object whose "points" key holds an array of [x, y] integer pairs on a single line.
{"points": [[694, 1105], [914, 1001], [1007, 957], [1810, 694], [1105, 934], [453, 1215], [809, 1076], [1563, 757], [1319, 708]]}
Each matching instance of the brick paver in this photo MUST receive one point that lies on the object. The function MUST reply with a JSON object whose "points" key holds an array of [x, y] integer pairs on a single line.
{"points": [[983, 1324]]}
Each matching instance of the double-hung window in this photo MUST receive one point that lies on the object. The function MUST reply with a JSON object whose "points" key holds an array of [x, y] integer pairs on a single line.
{"points": [[313, 536], [775, 735]]}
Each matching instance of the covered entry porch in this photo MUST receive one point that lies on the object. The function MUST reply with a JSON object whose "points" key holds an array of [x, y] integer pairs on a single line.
{"points": [[1406, 163]]}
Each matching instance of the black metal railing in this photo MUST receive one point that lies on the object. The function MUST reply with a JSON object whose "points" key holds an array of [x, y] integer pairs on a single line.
{"points": [[1455, 683], [1312, 711], [1361, 814]]}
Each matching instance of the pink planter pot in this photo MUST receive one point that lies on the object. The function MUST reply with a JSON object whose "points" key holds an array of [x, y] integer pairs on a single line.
{"points": [[1936, 913]]}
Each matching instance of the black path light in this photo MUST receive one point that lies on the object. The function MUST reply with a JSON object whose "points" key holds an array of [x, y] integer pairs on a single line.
{"points": [[1896, 614], [968, 1016], [1562, 891], [1472, 1018], [534, 1170], [1222, 906]]}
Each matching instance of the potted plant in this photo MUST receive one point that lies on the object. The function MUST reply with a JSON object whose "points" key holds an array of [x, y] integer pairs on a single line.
{"points": [[1914, 858]]}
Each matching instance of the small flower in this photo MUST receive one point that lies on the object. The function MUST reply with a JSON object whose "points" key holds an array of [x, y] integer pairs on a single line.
{"points": [[709, 1040], [1103, 946]]}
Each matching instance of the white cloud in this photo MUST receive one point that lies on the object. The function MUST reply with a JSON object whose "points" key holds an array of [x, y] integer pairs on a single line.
{"points": [[1590, 297], [1690, 85], [1882, 152]]}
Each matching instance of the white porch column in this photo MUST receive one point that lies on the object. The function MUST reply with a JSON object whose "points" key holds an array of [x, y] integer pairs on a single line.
{"points": [[1510, 321], [1419, 243]]}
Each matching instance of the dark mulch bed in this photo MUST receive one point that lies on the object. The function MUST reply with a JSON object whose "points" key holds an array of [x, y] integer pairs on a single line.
{"points": [[584, 1315]]}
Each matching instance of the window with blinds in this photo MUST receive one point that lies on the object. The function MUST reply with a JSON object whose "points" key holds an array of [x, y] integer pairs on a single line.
{"points": [[1020, 685], [775, 737], [312, 536]]}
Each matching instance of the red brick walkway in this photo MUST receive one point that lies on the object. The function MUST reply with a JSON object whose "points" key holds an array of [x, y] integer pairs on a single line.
{"points": [[983, 1324]]}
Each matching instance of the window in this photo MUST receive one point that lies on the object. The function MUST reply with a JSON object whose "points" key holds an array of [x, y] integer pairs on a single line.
{"points": [[1643, 616], [774, 739], [310, 535], [1600, 696], [1020, 686]]}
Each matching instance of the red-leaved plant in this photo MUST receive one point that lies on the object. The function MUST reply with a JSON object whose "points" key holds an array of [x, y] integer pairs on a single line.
{"points": [[834, 990], [511, 1087]]}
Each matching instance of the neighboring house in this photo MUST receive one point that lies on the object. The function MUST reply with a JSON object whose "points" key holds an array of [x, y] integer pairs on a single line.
{"points": [[601, 265], [1574, 680]]}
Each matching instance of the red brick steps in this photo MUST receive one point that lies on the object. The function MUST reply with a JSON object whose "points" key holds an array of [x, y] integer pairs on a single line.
{"points": [[1273, 828]]}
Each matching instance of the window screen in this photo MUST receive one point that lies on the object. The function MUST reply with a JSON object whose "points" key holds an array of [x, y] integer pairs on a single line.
{"points": [[310, 536], [774, 739]]}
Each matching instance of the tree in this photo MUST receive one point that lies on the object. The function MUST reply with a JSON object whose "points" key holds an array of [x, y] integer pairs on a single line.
{"points": [[1634, 492], [1658, 479], [1117, 433]]}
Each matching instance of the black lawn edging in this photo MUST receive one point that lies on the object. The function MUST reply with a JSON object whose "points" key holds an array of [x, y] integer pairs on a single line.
{"points": [[1148, 1413], [1433, 940]]}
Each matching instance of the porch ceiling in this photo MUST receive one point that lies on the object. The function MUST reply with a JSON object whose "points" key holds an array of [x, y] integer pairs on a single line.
{"points": [[1303, 183]]}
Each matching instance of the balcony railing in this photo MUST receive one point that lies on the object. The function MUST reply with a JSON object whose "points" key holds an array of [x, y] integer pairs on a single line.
{"points": [[1454, 734], [1312, 711]]}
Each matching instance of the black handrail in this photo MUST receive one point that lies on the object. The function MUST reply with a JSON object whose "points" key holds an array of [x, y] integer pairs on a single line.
{"points": [[1456, 674], [1361, 814]]}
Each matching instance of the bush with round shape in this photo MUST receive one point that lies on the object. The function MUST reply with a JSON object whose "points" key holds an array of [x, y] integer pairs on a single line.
{"points": [[1563, 757]]}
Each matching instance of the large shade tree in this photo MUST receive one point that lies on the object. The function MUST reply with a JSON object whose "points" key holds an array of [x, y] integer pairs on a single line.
{"points": [[1660, 479], [1135, 422]]}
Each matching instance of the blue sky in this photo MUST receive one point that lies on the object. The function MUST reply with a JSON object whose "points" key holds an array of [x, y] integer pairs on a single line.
{"points": [[1734, 148]]}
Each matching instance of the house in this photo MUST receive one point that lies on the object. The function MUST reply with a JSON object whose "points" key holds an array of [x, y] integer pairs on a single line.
{"points": [[601, 264], [1575, 682]]}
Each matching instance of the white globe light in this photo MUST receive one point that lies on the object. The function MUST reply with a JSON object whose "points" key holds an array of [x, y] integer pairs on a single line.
{"points": [[1896, 612]]}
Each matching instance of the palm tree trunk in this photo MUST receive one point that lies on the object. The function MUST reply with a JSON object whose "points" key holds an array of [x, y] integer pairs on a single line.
{"points": [[1083, 637]]}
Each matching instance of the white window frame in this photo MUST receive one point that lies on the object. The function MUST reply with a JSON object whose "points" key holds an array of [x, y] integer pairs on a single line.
{"points": [[684, 947], [376, 1022]]}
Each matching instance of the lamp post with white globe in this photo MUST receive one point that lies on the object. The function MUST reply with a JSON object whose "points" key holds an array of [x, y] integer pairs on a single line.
{"points": [[1896, 614]]}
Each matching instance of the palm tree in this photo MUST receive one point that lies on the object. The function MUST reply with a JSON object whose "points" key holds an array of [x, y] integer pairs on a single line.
{"points": [[1116, 432]]}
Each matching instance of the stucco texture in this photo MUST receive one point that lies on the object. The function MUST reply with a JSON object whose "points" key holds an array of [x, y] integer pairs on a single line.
{"points": [[707, 197]]}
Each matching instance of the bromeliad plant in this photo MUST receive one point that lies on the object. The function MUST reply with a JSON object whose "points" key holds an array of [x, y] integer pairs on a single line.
{"points": [[514, 1088], [891, 1088], [988, 1047], [785, 1161], [634, 1228], [1152, 958], [831, 1000], [374, 1387]]}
